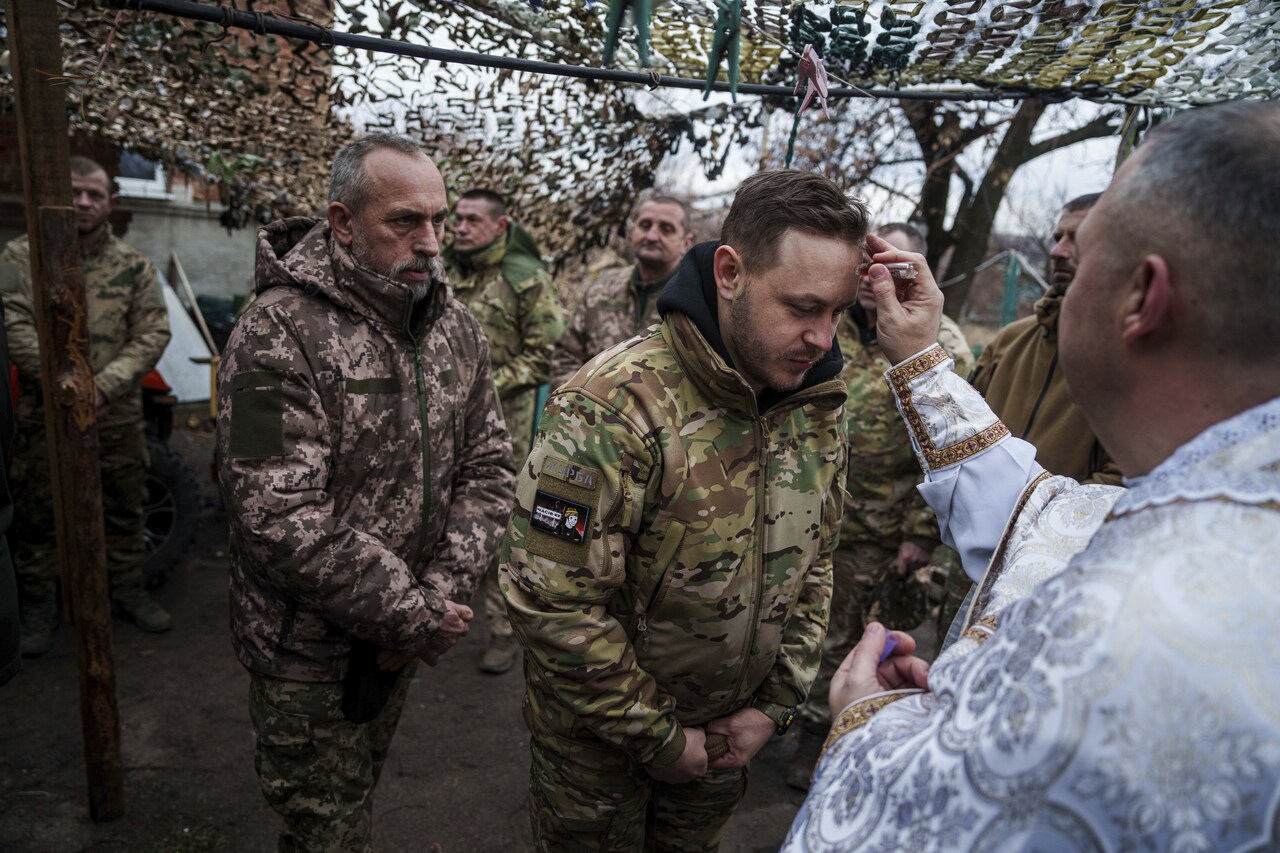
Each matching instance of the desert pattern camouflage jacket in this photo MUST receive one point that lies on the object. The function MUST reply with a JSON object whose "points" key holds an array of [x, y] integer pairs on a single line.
{"points": [[128, 323], [612, 309], [884, 507], [669, 557], [366, 470]]}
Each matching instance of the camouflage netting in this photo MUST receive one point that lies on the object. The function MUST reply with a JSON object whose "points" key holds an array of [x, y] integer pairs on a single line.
{"points": [[263, 115]]}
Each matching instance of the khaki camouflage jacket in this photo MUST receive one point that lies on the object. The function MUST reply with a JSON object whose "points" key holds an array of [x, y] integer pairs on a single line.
{"points": [[884, 507], [364, 465], [613, 308], [669, 557], [505, 287], [128, 323], [1019, 375]]}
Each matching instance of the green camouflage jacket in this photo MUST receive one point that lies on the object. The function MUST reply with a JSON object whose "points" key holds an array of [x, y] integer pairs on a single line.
{"points": [[128, 323], [669, 557], [362, 459], [505, 287], [883, 506], [612, 309]]}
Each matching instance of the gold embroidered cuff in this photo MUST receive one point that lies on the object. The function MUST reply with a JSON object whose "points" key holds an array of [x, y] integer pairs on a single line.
{"points": [[902, 375], [900, 379], [857, 715], [962, 450]]}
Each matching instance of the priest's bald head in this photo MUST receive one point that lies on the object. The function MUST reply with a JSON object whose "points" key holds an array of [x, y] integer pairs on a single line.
{"points": [[1173, 321]]}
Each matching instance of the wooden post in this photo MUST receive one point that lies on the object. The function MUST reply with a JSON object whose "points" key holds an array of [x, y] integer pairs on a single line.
{"points": [[66, 375]]}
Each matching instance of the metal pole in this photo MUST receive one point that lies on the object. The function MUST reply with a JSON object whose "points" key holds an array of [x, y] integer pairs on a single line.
{"points": [[263, 24], [1012, 272]]}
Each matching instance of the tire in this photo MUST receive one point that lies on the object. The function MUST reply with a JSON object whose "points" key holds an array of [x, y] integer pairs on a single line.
{"points": [[172, 504]]}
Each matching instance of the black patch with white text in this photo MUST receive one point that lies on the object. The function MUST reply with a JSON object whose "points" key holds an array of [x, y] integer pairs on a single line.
{"points": [[560, 517]]}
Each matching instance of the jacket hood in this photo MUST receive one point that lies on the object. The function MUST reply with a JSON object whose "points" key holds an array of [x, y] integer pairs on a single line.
{"points": [[519, 256], [300, 252], [1048, 309], [692, 292]]}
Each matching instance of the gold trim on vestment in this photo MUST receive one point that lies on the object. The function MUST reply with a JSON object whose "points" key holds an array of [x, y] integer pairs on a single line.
{"points": [[982, 630], [985, 589], [900, 378], [857, 715]]}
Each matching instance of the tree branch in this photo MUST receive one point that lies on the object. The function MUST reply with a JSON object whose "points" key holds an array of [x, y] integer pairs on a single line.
{"points": [[1097, 128], [967, 198], [899, 193]]}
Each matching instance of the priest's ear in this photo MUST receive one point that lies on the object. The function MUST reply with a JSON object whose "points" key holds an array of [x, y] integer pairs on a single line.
{"points": [[1146, 312]]}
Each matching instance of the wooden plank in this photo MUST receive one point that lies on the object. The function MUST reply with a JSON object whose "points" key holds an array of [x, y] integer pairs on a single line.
{"points": [[67, 379], [175, 266]]}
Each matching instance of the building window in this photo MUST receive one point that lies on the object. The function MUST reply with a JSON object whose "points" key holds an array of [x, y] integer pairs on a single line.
{"points": [[141, 178]]}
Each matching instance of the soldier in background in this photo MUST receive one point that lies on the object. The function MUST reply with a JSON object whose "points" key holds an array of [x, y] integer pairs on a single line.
{"points": [[624, 301], [1019, 375], [368, 477], [128, 331], [496, 271], [668, 564], [888, 531]]}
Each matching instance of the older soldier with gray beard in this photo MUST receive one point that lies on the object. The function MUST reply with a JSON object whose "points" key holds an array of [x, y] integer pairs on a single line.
{"points": [[368, 476]]}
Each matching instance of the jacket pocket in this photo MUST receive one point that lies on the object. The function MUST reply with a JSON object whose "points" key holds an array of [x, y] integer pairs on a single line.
{"points": [[657, 582]]}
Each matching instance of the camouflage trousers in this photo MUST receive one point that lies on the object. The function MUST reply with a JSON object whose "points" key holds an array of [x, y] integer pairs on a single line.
{"points": [[122, 462], [316, 768], [588, 797], [495, 606], [859, 569]]}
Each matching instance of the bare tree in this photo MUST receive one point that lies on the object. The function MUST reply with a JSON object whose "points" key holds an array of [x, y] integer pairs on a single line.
{"points": [[918, 151]]}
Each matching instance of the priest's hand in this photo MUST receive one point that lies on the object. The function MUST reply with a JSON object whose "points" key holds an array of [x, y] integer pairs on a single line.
{"points": [[862, 673], [908, 311]]}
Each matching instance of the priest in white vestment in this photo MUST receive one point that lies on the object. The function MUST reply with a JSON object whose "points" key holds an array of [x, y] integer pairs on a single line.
{"points": [[1116, 684]]}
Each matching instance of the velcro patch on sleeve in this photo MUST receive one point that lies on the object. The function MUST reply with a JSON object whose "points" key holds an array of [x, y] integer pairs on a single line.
{"points": [[572, 473], [565, 506], [374, 385], [10, 278], [257, 415]]}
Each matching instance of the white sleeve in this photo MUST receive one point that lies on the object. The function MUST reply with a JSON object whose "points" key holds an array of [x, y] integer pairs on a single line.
{"points": [[975, 471]]}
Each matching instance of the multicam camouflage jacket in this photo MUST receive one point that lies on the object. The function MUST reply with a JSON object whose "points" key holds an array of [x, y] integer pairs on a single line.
{"points": [[612, 309], [883, 506], [669, 558], [128, 323], [505, 287], [366, 470]]}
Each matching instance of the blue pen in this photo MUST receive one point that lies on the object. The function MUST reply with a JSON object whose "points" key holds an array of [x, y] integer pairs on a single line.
{"points": [[890, 644]]}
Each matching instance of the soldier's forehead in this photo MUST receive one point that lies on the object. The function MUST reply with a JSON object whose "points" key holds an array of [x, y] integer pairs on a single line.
{"points": [[660, 209], [97, 179]]}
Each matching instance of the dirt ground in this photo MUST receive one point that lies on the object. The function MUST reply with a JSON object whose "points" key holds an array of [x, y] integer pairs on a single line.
{"points": [[455, 780]]}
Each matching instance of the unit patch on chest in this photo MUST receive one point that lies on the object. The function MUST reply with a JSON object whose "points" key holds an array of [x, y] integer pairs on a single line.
{"points": [[560, 517]]}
